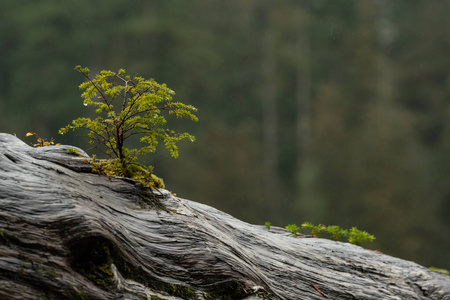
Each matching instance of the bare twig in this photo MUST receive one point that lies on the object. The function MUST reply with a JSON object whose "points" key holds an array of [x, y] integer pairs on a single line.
{"points": [[316, 287]]}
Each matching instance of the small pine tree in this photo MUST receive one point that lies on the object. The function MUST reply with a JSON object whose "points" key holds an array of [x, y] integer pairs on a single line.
{"points": [[129, 106]]}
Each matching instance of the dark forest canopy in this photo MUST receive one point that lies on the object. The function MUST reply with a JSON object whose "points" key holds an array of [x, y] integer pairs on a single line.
{"points": [[333, 112]]}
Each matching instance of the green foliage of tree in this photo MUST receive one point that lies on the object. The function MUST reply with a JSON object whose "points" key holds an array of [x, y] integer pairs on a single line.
{"points": [[129, 106]]}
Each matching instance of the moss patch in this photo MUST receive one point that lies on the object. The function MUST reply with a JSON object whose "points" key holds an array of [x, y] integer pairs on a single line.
{"points": [[149, 200], [7, 238], [443, 271], [136, 171], [227, 291], [4, 238], [75, 295], [92, 257], [172, 289], [74, 152]]}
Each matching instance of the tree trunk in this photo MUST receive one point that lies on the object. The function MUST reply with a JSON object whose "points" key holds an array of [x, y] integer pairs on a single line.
{"points": [[68, 234]]}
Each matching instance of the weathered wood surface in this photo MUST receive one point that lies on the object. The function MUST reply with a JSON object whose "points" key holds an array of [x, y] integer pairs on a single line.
{"points": [[57, 219]]}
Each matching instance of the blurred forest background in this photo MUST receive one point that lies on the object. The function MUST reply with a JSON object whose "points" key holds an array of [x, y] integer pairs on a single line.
{"points": [[332, 112]]}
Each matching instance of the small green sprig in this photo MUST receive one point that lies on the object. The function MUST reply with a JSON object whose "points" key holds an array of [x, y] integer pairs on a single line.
{"points": [[129, 107], [443, 271], [294, 229], [334, 232], [358, 237], [315, 230]]}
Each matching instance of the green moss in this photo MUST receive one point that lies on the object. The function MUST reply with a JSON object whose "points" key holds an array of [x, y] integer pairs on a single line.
{"points": [[92, 257], [138, 275], [227, 291], [75, 295], [73, 151], [7, 238], [443, 271], [144, 175], [149, 200], [93, 260], [154, 284], [49, 273], [136, 171], [180, 291], [4, 238]]}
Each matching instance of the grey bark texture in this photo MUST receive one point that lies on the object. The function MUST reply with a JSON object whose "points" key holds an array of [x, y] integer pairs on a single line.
{"points": [[66, 233]]}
